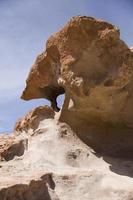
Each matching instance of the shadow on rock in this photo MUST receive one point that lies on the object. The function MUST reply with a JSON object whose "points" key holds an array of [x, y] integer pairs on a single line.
{"points": [[41, 189], [113, 143], [102, 137], [120, 166]]}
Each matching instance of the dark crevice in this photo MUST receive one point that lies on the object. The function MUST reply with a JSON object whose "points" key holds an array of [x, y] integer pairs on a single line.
{"points": [[51, 93]]}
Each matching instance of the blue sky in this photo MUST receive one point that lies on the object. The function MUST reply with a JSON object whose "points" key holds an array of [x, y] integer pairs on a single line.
{"points": [[25, 26]]}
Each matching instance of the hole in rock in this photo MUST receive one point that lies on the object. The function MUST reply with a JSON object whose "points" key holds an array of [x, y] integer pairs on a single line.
{"points": [[60, 100], [51, 93]]}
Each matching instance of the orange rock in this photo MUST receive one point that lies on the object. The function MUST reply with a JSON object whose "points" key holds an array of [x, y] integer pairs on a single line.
{"points": [[88, 60], [33, 118]]}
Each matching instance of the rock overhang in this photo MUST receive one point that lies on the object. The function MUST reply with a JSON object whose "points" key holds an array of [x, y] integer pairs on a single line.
{"points": [[60, 53], [88, 62]]}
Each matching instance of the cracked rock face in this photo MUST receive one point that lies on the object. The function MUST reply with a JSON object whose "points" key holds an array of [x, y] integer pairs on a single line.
{"points": [[88, 61]]}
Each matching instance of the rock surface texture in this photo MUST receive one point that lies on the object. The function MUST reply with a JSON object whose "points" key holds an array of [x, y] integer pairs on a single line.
{"points": [[84, 151], [90, 63], [11, 146], [33, 118], [57, 165]]}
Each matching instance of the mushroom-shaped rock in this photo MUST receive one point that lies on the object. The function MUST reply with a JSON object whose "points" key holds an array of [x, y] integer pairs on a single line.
{"points": [[88, 60]]}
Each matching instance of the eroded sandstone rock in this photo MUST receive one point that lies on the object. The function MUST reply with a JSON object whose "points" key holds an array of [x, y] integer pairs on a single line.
{"points": [[33, 118], [88, 60], [59, 166], [35, 190], [11, 146]]}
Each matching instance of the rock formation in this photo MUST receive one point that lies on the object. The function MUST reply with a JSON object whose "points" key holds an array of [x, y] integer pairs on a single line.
{"points": [[90, 63], [32, 120], [85, 150], [57, 165], [11, 146]]}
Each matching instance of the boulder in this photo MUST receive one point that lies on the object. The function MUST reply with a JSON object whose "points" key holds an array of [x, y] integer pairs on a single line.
{"points": [[33, 118], [88, 61], [11, 146]]}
